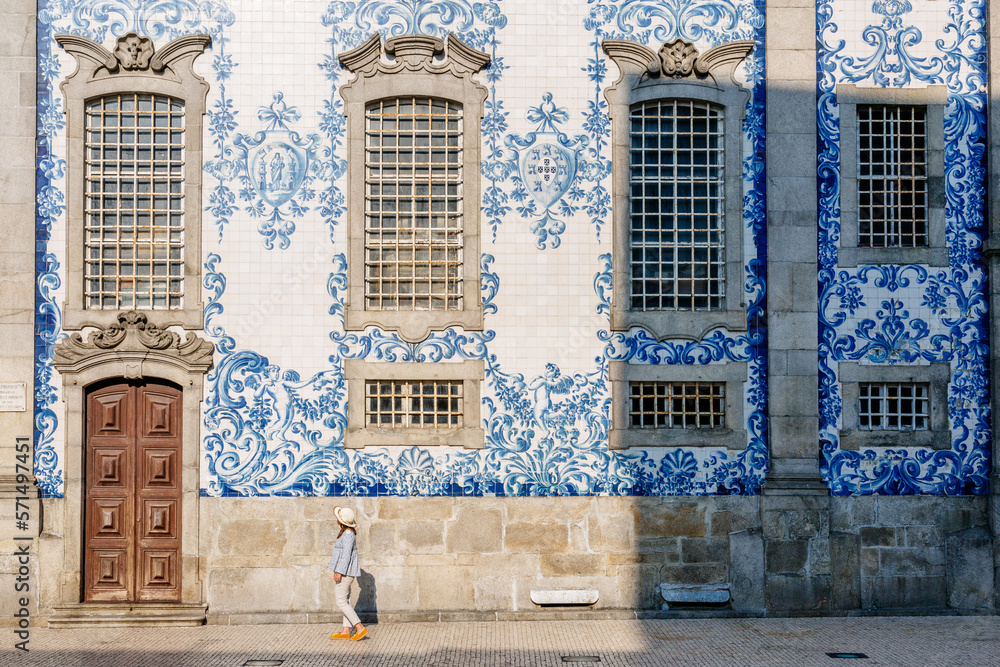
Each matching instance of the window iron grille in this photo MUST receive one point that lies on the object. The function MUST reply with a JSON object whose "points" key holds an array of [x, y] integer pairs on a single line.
{"points": [[893, 406], [892, 176], [413, 206], [677, 188], [413, 404], [134, 207], [677, 405]]}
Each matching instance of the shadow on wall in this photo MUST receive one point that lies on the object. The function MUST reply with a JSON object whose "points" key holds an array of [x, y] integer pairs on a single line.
{"points": [[367, 603], [685, 554]]}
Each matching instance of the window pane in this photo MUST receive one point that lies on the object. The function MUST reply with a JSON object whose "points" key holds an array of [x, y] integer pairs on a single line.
{"points": [[677, 185], [125, 224], [413, 209]]}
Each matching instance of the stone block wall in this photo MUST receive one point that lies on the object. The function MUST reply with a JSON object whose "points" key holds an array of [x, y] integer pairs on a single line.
{"points": [[911, 552], [266, 558]]}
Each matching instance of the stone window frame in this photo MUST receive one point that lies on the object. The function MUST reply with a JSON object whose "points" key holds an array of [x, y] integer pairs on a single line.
{"points": [[359, 435], [733, 436], [935, 100], [409, 65], [135, 66], [678, 71], [936, 375]]}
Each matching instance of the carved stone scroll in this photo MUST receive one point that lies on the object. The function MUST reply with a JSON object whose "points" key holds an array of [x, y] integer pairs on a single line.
{"points": [[414, 53], [132, 340], [678, 59]]}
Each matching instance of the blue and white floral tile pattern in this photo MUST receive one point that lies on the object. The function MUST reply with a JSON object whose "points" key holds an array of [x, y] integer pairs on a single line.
{"points": [[98, 20], [275, 408], [274, 167], [272, 432], [907, 314], [706, 24]]}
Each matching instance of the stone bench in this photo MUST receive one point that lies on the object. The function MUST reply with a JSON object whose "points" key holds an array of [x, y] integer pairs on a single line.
{"points": [[564, 597], [694, 594]]}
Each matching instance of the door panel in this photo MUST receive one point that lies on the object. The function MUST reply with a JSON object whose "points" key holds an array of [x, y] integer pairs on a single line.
{"points": [[132, 522], [159, 468], [109, 521], [109, 574], [160, 409], [109, 468], [110, 411], [158, 493], [159, 571]]}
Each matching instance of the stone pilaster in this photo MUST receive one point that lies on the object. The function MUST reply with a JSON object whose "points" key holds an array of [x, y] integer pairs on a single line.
{"points": [[993, 265], [17, 291], [795, 504]]}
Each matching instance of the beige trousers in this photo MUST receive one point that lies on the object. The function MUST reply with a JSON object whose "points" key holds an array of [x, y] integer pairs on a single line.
{"points": [[343, 595]]}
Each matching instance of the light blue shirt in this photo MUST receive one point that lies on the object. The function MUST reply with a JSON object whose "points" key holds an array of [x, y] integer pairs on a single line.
{"points": [[345, 555]]}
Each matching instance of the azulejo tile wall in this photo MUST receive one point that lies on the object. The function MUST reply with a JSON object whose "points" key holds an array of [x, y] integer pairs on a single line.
{"points": [[275, 270], [907, 314]]}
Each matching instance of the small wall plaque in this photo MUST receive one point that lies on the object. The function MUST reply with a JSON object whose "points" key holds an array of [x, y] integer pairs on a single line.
{"points": [[13, 397]]}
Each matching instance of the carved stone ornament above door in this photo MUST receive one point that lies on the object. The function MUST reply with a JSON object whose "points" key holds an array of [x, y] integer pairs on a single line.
{"points": [[134, 51], [133, 341]]}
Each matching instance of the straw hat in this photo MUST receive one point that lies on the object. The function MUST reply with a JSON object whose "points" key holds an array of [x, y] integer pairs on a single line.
{"points": [[345, 515]]}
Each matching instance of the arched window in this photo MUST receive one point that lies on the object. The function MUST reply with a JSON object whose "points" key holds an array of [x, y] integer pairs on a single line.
{"points": [[413, 200], [678, 234], [134, 129], [413, 206]]}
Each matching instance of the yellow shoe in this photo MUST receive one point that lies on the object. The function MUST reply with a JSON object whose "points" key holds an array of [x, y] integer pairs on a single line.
{"points": [[341, 635], [360, 634]]}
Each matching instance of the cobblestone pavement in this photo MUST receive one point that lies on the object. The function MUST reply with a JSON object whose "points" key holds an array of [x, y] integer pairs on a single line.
{"points": [[909, 641]]}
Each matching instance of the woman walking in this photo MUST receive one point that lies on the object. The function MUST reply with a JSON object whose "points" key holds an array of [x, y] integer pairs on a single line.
{"points": [[344, 563]]}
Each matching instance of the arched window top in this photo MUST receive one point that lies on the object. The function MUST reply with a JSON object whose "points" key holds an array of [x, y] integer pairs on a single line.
{"points": [[437, 101], [710, 108], [136, 101]]}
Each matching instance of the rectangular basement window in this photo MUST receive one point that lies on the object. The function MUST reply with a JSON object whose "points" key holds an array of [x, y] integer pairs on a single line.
{"points": [[893, 406], [677, 404], [413, 403]]}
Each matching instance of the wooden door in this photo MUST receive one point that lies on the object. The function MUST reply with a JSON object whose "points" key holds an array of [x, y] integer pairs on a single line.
{"points": [[133, 502]]}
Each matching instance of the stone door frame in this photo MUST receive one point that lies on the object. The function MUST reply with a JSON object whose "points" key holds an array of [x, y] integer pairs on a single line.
{"points": [[132, 349]]}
